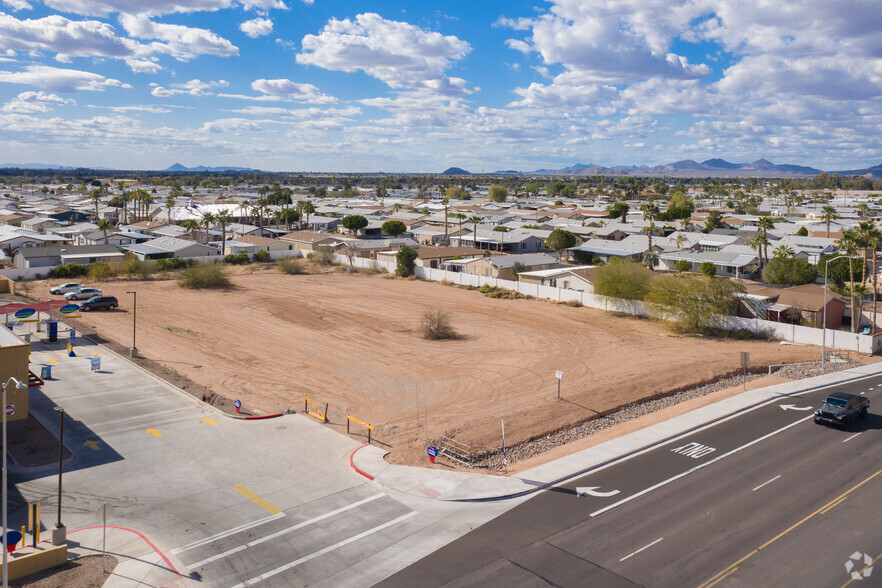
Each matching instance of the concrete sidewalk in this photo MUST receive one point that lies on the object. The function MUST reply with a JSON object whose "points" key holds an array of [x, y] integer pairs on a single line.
{"points": [[437, 483]]}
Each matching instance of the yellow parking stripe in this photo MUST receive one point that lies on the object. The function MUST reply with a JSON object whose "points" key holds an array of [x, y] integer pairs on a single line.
{"points": [[256, 499]]}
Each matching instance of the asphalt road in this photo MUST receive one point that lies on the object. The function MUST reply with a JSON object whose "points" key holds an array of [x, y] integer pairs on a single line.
{"points": [[765, 498]]}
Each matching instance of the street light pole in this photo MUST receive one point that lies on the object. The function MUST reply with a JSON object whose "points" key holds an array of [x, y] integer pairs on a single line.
{"points": [[134, 350], [18, 386], [59, 533]]}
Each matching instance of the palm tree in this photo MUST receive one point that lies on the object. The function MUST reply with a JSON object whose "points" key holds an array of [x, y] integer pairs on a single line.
{"points": [[848, 243], [124, 198], [764, 223], [828, 213], [783, 252], [223, 218], [147, 199], [475, 219], [169, 204], [650, 211], [191, 225], [503, 230], [863, 209], [96, 198], [679, 239], [758, 243], [445, 201], [308, 209], [876, 244], [104, 225], [207, 219]]}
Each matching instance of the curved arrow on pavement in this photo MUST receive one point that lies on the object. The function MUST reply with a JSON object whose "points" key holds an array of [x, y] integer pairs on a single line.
{"points": [[593, 491], [794, 407]]}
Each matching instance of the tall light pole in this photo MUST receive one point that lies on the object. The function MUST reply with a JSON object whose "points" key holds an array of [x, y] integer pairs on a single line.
{"points": [[59, 533], [824, 320], [18, 386], [134, 350]]}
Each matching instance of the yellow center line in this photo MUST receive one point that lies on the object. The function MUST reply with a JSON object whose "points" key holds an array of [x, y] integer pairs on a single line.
{"points": [[718, 577], [256, 499], [832, 506], [878, 557]]}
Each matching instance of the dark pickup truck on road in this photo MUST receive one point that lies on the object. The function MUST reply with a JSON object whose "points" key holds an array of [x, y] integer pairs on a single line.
{"points": [[840, 408]]}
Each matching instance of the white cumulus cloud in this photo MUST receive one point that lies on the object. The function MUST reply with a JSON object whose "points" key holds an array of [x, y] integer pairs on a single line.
{"points": [[257, 27], [60, 80], [292, 90], [400, 54], [156, 7], [31, 102], [181, 42]]}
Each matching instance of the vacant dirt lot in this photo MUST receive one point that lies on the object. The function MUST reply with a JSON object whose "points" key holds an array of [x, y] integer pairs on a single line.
{"points": [[352, 341]]}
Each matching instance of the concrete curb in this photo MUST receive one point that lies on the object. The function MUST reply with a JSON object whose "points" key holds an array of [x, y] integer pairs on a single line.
{"points": [[253, 417], [475, 487]]}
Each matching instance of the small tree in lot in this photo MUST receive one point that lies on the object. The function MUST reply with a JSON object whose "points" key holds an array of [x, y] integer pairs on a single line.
{"points": [[627, 280], [693, 303], [406, 260], [497, 193], [683, 265]]}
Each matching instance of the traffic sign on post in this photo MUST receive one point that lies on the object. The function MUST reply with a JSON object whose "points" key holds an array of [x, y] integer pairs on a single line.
{"points": [[238, 405], [10, 409], [433, 453], [559, 375]]}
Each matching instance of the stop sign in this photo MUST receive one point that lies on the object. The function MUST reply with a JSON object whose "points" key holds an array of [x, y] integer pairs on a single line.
{"points": [[10, 409]]}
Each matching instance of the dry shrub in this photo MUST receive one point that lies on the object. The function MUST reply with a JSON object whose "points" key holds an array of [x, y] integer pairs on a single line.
{"points": [[573, 303], [496, 292], [436, 325], [290, 265], [372, 269], [207, 275]]}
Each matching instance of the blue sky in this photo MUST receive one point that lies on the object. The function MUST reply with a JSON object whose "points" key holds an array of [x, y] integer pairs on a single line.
{"points": [[318, 85]]}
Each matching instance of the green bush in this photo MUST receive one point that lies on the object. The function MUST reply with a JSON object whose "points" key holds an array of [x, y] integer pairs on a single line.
{"points": [[496, 292], [173, 263], [262, 256], [621, 279], [238, 259], [70, 270], [683, 265], [784, 272], [290, 265], [693, 303], [708, 269], [133, 267], [207, 275], [100, 270], [406, 260]]}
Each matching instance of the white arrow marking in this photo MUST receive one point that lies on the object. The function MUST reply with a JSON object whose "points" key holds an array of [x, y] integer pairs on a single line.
{"points": [[794, 407], [592, 491]]}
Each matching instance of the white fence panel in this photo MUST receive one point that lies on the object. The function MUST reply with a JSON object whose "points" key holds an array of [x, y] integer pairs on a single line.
{"points": [[28, 273]]}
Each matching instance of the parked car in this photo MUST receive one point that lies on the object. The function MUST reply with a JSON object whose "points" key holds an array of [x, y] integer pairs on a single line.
{"points": [[99, 302], [65, 288], [82, 293]]}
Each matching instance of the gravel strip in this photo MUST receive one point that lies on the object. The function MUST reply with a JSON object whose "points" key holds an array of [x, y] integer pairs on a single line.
{"points": [[528, 449]]}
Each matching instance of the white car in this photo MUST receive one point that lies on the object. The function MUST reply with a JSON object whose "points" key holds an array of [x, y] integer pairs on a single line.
{"points": [[82, 293], [65, 288]]}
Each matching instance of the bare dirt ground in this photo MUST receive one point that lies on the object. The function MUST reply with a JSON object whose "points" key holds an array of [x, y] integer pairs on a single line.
{"points": [[352, 341]]}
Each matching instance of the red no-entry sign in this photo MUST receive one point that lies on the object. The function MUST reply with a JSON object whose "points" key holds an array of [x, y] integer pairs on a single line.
{"points": [[10, 409]]}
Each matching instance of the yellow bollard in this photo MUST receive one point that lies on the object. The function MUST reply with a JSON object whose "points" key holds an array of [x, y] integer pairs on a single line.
{"points": [[24, 539], [36, 534]]}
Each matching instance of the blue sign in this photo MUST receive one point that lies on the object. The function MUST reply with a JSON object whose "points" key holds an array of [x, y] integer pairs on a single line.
{"points": [[95, 364], [73, 335], [69, 308], [238, 404], [432, 451], [24, 312]]}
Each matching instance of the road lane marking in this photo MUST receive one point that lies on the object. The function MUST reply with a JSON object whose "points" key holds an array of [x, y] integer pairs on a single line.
{"points": [[833, 505], [321, 552], [277, 534], [641, 549], [154, 432], [256, 499], [852, 437], [696, 468], [227, 533], [719, 576], [764, 483]]}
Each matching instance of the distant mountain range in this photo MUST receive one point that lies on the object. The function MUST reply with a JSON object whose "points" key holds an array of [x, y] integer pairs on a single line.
{"points": [[45, 166], [204, 168], [690, 168]]}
